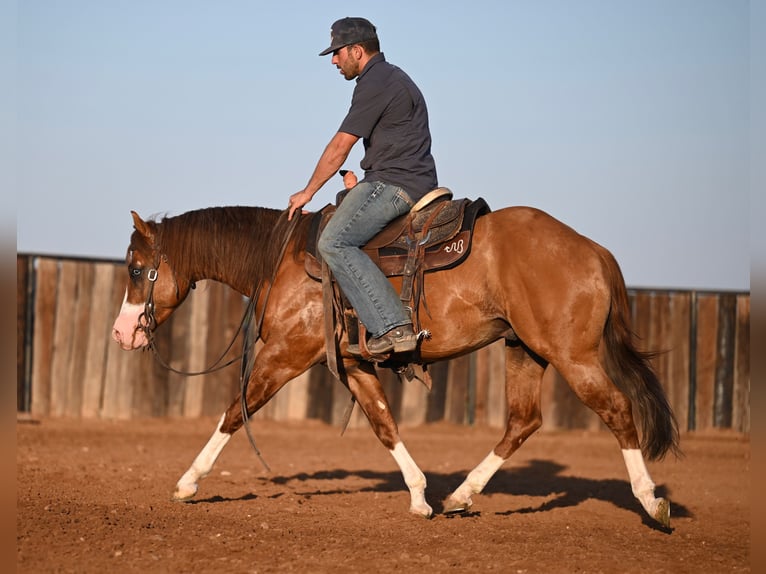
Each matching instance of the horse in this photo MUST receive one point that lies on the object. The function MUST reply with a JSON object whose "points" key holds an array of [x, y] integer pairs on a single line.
{"points": [[553, 295]]}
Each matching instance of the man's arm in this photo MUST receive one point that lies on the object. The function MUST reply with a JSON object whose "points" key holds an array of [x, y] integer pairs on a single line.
{"points": [[329, 163]]}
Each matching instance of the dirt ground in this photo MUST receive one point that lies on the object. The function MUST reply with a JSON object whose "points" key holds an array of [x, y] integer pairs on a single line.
{"points": [[95, 497]]}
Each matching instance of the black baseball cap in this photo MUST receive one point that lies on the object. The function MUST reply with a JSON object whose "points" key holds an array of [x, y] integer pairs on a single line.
{"points": [[347, 31]]}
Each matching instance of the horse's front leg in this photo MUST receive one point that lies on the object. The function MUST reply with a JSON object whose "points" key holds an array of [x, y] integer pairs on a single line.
{"points": [[366, 388], [187, 485], [265, 380]]}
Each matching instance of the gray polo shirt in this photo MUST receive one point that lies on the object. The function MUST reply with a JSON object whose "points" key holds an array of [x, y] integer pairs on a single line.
{"points": [[389, 113]]}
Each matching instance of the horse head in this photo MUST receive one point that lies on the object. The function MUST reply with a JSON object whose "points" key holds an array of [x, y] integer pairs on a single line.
{"points": [[153, 290]]}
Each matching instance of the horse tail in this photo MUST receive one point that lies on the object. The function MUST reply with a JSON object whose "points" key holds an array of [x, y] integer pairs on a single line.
{"points": [[633, 374]]}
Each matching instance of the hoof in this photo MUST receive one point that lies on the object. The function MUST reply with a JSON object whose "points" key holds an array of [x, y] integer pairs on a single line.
{"points": [[424, 512], [183, 494], [662, 514], [452, 506]]}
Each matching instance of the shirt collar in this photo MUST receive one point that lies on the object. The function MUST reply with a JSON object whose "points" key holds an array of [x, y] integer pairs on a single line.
{"points": [[379, 57]]}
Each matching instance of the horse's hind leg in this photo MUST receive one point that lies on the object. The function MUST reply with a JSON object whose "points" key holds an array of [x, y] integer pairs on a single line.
{"points": [[523, 377], [591, 384]]}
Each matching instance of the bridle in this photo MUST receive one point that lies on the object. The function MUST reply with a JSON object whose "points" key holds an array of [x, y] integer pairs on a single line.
{"points": [[147, 322], [251, 331]]}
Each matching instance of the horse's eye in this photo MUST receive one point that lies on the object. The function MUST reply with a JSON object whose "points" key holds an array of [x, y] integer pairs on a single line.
{"points": [[135, 272]]}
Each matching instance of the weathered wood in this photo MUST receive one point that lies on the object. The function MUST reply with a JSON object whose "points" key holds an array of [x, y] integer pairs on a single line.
{"points": [[437, 398], [197, 348], [121, 368], [481, 386], [75, 370], [178, 331], [414, 403], [98, 339], [740, 419], [226, 315], [213, 402], [676, 379], [458, 379], [669, 328], [63, 342], [724, 371], [497, 406], [23, 319], [707, 325], [78, 335]]}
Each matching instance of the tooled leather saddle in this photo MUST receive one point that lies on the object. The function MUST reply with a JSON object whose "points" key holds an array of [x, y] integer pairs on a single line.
{"points": [[435, 234]]}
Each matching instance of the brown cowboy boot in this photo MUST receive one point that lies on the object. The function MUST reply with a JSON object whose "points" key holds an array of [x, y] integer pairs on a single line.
{"points": [[398, 340]]}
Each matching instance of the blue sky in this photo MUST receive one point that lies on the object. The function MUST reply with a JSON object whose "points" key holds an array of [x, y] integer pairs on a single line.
{"points": [[628, 120]]}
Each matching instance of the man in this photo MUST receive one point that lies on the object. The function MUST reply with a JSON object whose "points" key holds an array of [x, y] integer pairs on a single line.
{"points": [[389, 113]]}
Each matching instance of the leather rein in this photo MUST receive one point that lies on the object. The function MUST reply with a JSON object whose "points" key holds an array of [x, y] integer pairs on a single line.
{"points": [[251, 333]]}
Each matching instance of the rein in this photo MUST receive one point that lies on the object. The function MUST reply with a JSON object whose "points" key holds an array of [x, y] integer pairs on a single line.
{"points": [[149, 323], [251, 333]]}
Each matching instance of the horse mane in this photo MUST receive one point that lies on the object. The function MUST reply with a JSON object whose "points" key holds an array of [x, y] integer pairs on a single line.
{"points": [[241, 245]]}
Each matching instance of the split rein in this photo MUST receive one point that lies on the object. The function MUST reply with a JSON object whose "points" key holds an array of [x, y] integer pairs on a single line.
{"points": [[251, 333], [147, 323]]}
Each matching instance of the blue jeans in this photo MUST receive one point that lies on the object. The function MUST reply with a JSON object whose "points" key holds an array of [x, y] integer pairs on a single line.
{"points": [[366, 209]]}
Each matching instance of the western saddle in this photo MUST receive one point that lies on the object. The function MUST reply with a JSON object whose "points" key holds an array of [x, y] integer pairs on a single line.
{"points": [[435, 234]]}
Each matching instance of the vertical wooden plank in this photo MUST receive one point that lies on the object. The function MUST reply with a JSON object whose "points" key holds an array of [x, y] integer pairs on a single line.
{"points": [[642, 305], [548, 399], [741, 395], [227, 309], [78, 333], [676, 383], [101, 317], [297, 406], [481, 386], [149, 379], [194, 392], [707, 326], [178, 341], [46, 281], [669, 337], [724, 372], [213, 402], [658, 340], [63, 341], [497, 405], [457, 390], [414, 403], [118, 384], [23, 321], [320, 394], [437, 398]]}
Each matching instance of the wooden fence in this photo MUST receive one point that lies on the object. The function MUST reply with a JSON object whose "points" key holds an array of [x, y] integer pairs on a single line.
{"points": [[68, 366]]}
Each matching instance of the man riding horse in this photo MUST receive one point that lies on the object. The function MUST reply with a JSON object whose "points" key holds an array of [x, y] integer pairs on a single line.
{"points": [[389, 113]]}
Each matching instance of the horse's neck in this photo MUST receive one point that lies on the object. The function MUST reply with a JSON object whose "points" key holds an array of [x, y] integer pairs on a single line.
{"points": [[230, 246]]}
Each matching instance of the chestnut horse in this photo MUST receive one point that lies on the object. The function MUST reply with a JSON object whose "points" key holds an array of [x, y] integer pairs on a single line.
{"points": [[554, 296]]}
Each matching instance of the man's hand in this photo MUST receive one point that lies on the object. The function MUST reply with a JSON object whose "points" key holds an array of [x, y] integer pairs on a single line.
{"points": [[297, 201], [332, 158], [349, 178]]}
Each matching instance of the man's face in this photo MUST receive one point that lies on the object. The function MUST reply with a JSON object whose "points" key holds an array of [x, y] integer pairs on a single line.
{"points": [[345, 59]]}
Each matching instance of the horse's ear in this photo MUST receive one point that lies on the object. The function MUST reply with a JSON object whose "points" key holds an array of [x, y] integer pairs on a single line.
{"points": [[141, 226]]}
